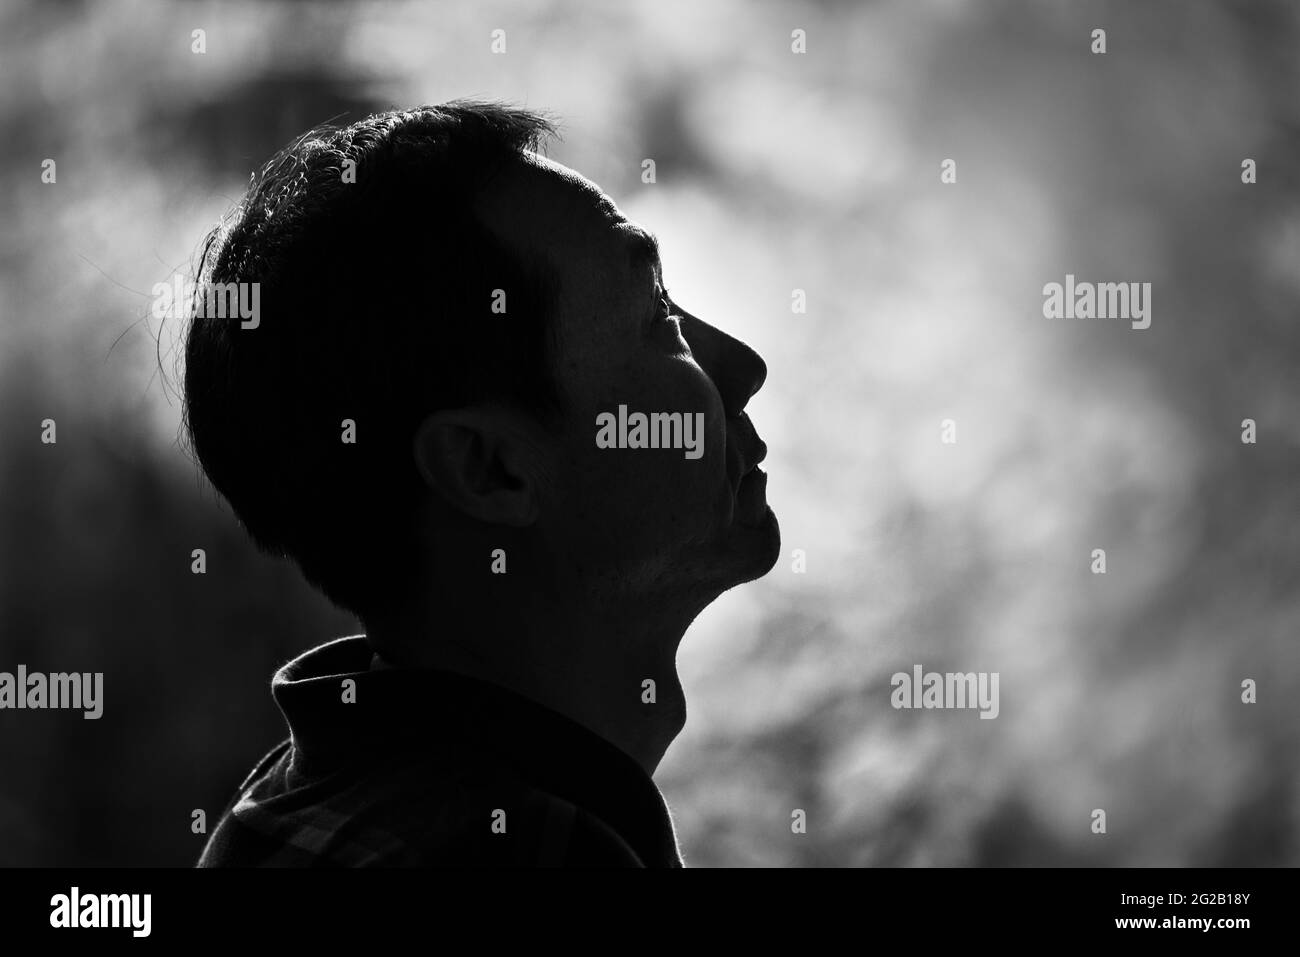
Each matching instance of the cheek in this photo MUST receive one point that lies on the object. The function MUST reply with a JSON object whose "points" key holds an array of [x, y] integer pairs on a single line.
{"points": [[640, 502], [704, 497], [684, 502]]}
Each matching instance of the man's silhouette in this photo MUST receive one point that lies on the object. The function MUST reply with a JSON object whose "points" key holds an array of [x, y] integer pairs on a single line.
{"points": [[445, 317]]}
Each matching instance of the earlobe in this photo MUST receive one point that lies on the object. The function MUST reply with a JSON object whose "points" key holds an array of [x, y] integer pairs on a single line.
{"points": [[476, 462]]}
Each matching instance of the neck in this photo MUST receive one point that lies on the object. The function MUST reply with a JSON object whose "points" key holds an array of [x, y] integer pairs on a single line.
{"points": [[595, 666]]}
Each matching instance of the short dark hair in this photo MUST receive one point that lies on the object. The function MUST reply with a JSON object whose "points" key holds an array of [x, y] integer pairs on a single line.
{"points": [[376, 305]]}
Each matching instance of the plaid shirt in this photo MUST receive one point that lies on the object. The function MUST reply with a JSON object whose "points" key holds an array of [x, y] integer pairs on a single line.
{"points": [[433, 768]]}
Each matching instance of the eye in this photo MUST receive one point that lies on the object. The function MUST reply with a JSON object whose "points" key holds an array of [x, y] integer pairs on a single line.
{"points": [[666, 309]]}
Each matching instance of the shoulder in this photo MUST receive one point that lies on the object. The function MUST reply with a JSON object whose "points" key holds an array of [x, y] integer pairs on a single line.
{"points": [[493, 821], [404, 814]]}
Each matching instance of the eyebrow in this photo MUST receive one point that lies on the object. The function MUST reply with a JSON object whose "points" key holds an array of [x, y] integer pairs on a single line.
{"points": [[643, 252]]}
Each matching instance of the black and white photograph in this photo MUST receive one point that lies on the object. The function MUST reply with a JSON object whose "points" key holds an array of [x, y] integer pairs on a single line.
{"points": [[452, 437]]}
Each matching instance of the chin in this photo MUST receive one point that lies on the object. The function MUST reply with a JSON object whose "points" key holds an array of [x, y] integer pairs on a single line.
{"points": [[754, 532], [758, 546], [747, 551], [744, 545]]}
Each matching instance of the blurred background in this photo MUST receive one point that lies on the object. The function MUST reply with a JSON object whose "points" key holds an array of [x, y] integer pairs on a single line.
{"points": [[775, 172]]}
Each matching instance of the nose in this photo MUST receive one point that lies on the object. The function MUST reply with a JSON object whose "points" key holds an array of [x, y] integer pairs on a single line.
{"points": [[736, 369]]}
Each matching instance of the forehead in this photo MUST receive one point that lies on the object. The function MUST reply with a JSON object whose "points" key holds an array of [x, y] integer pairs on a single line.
{"points": [[557, 183], [601, 261], [549, 206]]}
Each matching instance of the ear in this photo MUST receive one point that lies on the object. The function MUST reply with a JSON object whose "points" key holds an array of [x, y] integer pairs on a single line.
{"points": [[484, 461]]}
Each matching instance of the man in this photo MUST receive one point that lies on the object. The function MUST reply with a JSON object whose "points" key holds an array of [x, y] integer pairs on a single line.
{"points": [[470, 412]]}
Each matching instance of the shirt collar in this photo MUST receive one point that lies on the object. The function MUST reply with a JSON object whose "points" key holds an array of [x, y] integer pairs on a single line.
{"points": [[398, 709]]}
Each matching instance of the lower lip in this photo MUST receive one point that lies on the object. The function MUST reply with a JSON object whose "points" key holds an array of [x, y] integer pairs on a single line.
{"points": [[751, 498]]}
